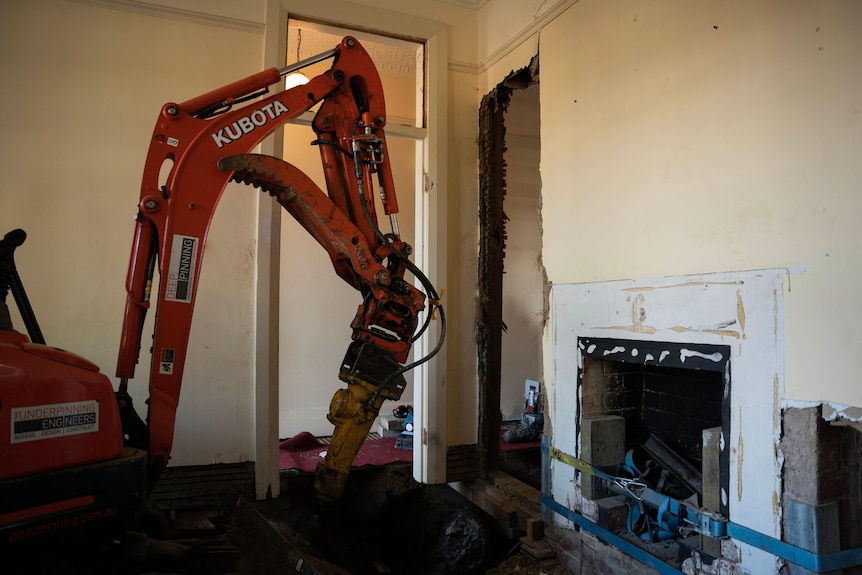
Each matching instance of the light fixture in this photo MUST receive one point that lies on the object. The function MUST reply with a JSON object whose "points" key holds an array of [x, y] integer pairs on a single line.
{"points": [[294, 80]]}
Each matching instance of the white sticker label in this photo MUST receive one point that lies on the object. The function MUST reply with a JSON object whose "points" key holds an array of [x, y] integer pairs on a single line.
{"points": [[56, 420], [166, 365], [181, 268], [173, 142]]}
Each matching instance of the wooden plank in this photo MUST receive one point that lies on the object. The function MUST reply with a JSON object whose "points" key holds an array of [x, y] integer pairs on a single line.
{"points": [[194, 487], [500, 511], [528, 497]]}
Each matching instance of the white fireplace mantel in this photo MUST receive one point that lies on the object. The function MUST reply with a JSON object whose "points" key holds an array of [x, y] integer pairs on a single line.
{"points": [[742, 310]]}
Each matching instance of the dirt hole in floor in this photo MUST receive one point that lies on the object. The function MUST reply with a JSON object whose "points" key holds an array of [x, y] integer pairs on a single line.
{"points": [[385, 523]]}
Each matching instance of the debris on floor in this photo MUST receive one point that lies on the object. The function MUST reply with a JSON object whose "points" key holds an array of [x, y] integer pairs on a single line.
{"points": [[386, 523]]}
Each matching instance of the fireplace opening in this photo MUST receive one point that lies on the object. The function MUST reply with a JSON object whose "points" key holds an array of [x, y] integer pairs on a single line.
{"points": [[671, 403], [654, 413]]}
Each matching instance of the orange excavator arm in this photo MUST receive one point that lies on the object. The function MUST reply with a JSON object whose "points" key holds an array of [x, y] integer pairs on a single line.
{"points": [[207, 139]]}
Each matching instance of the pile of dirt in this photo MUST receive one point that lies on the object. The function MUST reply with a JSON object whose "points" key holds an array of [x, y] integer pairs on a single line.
{"points": [[388, 523]]}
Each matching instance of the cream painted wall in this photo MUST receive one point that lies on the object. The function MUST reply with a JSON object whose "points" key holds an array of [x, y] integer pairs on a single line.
{"points": [[82, 94], [463, 223], [251, 11], [681, 138]]}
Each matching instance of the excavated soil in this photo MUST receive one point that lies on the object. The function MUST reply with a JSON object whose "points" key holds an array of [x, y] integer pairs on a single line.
{"points": [[385, 523]]}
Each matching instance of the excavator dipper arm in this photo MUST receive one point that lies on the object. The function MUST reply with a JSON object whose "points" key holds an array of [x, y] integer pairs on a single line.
{"points": [[384, 324]]}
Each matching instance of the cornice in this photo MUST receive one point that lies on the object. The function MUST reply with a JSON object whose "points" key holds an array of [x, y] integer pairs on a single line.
{"points": [[534, 27], [158, 11]]}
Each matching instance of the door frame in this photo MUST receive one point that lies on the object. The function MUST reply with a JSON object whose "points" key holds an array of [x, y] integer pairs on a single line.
{"points": [[429, 453]]}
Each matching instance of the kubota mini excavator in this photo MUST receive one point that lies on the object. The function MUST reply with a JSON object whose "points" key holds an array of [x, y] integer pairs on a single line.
{"points": [[73, 451]]}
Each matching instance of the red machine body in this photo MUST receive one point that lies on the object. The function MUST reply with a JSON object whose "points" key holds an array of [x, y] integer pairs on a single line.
{"points": [[53, 427]]}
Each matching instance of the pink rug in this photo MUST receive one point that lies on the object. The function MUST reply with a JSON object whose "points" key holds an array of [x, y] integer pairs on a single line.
{"points": [[506, 446], [303, 451]]}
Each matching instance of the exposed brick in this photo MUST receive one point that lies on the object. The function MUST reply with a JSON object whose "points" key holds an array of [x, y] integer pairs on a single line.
{"points": [[830, 455], [833, 484]]}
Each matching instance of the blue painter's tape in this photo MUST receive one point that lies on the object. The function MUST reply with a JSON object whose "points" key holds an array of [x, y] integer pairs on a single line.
{"points": [[611, 538]]}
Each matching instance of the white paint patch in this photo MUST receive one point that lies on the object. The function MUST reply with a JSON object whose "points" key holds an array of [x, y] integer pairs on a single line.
{"points": [[663, 355], [723, 496], [721, 442], [592, 348], [836, 412], [635, 352], [649, 357], [831, 411], [617, 349], [687, 353]]}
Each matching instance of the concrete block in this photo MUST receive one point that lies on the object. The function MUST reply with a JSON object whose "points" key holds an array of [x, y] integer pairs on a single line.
{"points": [[612, 513], [800, 448], [812, 527], [602, 445]]}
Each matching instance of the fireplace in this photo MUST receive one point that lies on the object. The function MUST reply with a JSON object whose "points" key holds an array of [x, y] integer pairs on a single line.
{"points": [[667, 395], [651, 359]]}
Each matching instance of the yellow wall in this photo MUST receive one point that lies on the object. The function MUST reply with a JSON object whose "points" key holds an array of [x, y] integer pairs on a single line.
{"points": [[79, 102], [682, 138]]}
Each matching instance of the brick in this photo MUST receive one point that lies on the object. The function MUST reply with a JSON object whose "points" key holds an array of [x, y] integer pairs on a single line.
{"points": [[829, 456], [833, 484]]}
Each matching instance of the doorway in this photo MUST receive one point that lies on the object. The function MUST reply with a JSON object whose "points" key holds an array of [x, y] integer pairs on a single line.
{"points": [[512, 299], [430, 241], [316, 305]]}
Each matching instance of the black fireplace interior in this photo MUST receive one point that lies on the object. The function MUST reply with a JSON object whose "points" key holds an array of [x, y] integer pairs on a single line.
{"points": [[668, 394]]}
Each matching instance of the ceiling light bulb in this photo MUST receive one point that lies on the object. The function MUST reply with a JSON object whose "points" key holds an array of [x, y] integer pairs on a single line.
{"points": [[294, 80]]}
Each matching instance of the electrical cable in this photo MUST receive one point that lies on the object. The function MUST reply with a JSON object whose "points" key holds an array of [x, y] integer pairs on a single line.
{"points": [[431, 292]]}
